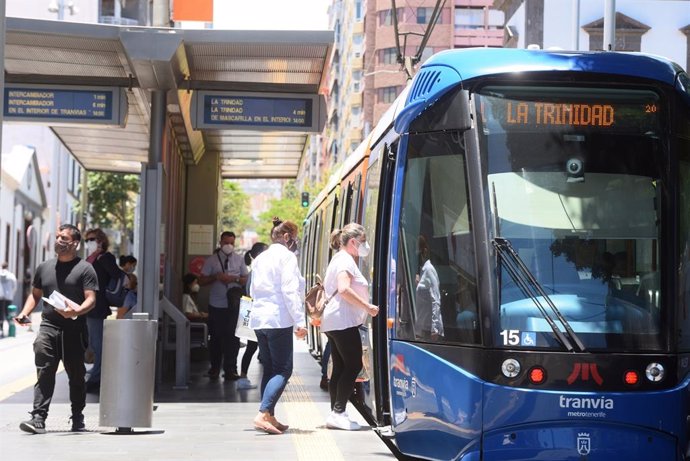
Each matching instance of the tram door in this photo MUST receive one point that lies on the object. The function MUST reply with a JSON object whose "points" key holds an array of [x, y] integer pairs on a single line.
{"points": [[372, 392]]}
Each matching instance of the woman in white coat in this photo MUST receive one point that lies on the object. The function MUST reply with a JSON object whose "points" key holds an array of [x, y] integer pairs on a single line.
{"points": [[277, 290]]}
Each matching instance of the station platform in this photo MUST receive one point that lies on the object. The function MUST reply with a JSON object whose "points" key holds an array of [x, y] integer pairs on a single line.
{"points": [[211, 420]]}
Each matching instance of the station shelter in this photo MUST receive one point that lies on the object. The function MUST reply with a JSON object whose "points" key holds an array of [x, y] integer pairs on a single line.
{"points": [[182, 108]]}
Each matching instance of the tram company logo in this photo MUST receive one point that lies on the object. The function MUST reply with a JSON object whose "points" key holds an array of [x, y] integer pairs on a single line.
{"points": [[583, 443], [586, 407]]}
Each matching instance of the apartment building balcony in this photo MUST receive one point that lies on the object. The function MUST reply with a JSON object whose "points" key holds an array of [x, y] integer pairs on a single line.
{"points": [[464, 37], [355, 135], [356, 99]]}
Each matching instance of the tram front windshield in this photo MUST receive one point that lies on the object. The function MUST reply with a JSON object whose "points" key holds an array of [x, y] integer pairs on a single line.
{"points": [[573, 180]]}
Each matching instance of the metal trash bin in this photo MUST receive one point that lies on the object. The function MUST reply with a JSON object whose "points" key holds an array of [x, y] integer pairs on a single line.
{"points": [[127, 372]]}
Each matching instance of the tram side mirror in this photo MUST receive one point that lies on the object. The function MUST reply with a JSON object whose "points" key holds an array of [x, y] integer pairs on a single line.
{"points": [[450, 112], [575, 170]]}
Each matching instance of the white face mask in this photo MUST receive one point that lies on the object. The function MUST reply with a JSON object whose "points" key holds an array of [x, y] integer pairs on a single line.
{"points": [[90, 247], [194, 288], [363, 249], [227, 248]]}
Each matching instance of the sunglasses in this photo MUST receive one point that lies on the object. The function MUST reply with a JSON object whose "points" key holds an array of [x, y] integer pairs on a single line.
{"points": [[90, 240]]}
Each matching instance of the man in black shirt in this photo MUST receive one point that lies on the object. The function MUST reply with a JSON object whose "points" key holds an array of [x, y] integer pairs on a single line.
{"points": [[62, 334]]}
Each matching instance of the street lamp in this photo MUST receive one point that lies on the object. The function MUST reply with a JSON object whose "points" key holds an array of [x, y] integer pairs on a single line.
{"points": [[58, 6]]}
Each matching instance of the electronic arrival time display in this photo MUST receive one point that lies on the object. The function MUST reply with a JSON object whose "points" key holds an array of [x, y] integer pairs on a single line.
{"points": [[622, 111]]}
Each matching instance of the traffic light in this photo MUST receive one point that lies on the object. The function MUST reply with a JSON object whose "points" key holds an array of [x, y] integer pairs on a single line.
{"points": [[305, 199]]}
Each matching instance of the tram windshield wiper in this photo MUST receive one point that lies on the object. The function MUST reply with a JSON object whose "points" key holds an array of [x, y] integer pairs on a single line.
{"points": [[529, 285]]}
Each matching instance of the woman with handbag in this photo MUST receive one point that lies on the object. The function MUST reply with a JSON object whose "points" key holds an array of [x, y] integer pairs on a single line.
{"points": [[277, 289], [342, 317]]}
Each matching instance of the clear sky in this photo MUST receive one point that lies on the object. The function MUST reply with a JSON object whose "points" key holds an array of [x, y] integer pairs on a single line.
{"points": [[270, 14]]}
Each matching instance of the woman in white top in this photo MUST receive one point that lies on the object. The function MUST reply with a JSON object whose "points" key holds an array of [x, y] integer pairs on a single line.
{"points": [[190, 287], [277, 290], [344, 313]]}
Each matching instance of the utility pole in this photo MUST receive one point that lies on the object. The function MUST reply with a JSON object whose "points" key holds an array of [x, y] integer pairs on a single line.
{"points": [[609, 43], [575, 43]]}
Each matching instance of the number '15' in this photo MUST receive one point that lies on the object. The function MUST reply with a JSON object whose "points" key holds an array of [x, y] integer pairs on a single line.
{"points": [[511, 337]]}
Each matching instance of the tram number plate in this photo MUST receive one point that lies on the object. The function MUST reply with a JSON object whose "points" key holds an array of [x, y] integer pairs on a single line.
{"points": [[519, 338]]}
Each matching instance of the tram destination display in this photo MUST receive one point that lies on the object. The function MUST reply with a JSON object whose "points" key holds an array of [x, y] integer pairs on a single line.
{"points": [[221, 110], [66, 104], [634, 111]]}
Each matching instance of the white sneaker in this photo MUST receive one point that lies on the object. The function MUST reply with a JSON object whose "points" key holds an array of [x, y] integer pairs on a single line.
{"points": [[244, 383], [340, 421]]}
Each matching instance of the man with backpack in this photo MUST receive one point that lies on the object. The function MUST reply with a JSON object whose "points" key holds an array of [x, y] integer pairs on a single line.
{"points": [[110, 278]]}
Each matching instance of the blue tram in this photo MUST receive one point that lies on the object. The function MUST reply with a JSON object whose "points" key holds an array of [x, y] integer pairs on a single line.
{"points": [[529, 215]]}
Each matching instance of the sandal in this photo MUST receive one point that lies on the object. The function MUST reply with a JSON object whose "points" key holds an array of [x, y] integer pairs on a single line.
{"points": [[267, 427], [280, 426]]}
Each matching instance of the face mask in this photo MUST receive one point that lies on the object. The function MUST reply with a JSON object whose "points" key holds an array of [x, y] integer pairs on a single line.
{"points": [[363, 249], [129, 270], [194, 288], [62, 248], [90, 247], [227, 248]]}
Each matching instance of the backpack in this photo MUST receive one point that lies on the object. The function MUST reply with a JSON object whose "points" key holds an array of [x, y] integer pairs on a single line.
{"points": [[316, 300], [115, 292]]}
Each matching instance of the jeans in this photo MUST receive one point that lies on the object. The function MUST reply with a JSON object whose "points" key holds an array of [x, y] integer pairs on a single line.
{"points": [[95, 326], [324, 360], [52, 345], [346, 353], [275, 349]]}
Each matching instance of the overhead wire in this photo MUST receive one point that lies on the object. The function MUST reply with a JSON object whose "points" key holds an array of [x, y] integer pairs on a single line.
{"points": [[408, 63]]}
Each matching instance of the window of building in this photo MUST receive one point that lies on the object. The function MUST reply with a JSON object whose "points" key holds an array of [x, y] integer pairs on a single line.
{"points": [[388, 56], [387, 94], [469, 18], [386, 17], [424, 16], [358, 10]]}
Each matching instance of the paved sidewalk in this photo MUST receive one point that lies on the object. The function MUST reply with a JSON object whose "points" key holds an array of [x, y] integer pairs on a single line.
{"points": [[209, 421]]}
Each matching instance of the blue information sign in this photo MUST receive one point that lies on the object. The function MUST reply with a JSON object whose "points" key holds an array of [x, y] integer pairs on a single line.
{"points": [[221, 110], [257, 111], [64, 104]]}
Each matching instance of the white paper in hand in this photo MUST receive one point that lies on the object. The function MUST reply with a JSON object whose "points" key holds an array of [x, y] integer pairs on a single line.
{"points": [[58, 301]]}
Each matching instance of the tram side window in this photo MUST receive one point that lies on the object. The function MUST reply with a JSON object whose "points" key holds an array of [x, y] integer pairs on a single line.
{"points": [[437, 294], [684, 265]]}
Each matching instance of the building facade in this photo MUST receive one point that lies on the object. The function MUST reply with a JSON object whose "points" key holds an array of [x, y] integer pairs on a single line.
{"points": [[366, 74], [650, 26]]}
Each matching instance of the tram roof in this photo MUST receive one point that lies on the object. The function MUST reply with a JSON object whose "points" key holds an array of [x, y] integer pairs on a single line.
{"points": [[178, 61]]}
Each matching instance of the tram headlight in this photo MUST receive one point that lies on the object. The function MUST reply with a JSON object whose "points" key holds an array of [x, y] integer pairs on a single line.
{"points": [[510, 368], [655, 372]]}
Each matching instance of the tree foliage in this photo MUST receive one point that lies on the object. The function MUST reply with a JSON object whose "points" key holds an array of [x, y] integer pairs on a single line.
{"points": [[288, 208], [111, 199], [235, 210]]}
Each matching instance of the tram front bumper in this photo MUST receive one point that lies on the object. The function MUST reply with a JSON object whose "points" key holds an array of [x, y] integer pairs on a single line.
{"points": [[585, 441]]}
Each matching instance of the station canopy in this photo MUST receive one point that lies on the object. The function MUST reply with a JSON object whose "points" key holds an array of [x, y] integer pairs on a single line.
{"points": [[259, 64]]}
